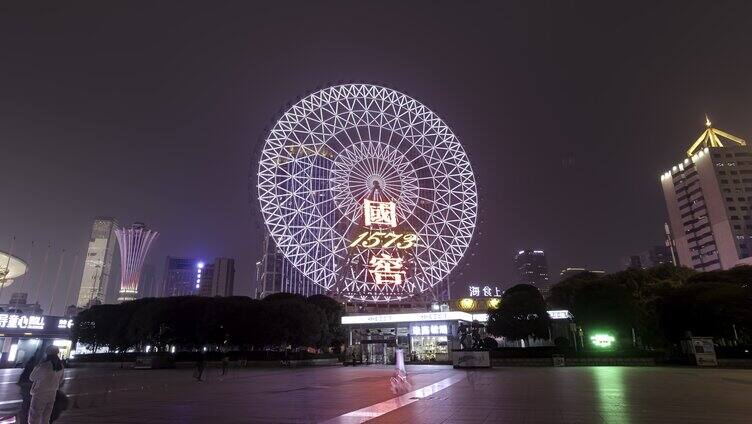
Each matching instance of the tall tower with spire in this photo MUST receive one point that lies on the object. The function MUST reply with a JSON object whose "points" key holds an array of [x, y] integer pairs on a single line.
{"points": [[709, 201], [134, 244]]}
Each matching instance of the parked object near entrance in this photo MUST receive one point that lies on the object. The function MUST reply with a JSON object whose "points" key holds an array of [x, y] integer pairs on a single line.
{"points": [[471, 359], [703, 349]]}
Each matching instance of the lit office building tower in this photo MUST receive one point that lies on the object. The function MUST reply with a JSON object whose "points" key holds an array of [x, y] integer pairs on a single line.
{"points": [[275, 274], [182, 276], [708, 196], [148, 285], [97, 263], [134, 244], [532, 268], [218, 278]]}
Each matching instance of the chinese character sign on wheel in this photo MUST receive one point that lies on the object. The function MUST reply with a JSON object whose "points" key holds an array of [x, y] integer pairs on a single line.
{"points": [[380, 213], [386, 269]]}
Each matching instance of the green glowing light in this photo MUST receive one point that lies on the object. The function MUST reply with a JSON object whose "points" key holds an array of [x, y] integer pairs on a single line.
{"points": [[602, 340]]}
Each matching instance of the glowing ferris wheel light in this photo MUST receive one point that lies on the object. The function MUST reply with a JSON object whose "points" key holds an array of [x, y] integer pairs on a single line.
{"points": [[346, 148]]}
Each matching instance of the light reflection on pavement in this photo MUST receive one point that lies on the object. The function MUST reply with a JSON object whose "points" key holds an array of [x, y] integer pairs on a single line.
{"points": [[628, 395]]}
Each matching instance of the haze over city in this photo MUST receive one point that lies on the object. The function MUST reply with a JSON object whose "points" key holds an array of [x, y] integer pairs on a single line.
{"points": [[349, 212], [568, 115]]}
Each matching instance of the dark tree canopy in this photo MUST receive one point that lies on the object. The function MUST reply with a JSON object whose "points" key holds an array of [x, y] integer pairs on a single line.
{"points": [[661, 304], [191, 322], [522, 314]]}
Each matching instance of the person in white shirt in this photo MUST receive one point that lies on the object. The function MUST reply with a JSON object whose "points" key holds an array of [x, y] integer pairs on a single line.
{"points": [[46, 380]]}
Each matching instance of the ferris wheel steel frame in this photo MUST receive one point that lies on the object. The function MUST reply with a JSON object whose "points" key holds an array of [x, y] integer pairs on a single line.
{"points": [[326, 153]]}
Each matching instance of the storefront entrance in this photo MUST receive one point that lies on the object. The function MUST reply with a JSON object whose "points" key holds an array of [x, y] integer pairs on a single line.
{"points": [[379, 352]]}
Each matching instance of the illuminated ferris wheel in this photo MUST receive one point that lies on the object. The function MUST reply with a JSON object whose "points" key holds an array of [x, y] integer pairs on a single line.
{"points": [[367, 192]]}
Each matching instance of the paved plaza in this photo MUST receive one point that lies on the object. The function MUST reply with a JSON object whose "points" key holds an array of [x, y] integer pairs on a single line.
{"points": [[440, 395]]}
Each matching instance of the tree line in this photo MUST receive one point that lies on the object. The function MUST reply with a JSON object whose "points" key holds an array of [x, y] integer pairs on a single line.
{"points": [[193, 322], [662, 305]]}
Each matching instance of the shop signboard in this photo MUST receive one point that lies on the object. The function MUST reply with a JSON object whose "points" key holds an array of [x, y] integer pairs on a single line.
{"points": [[34, 324]]}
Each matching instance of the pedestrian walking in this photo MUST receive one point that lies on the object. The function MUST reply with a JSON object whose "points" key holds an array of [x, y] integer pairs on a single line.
{"points": [[225, 364], [24, 385], [200, 365], [46, 379]]}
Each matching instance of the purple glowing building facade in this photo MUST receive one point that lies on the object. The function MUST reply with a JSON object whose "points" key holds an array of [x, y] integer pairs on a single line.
{"points": [[134, 244]]}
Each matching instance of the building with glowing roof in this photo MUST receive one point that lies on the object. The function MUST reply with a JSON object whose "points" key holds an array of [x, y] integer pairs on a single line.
{"points": [[708, 197]]}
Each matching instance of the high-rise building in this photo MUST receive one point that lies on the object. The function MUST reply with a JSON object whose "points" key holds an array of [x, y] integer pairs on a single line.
{"points": [[572, 271], [218, 278], [134, 244], [148, 285], [708, 196], [532, 268], [656, 255], [19, 304], [275, 274], [182, 276], [98, 262]]}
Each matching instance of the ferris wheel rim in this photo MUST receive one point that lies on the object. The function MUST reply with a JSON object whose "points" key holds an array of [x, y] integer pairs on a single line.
{"points": [[436, 265]]}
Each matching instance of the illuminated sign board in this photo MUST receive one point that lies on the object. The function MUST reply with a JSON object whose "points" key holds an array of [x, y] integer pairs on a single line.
{"points": [[429, 330], [386, 269], [24, 322], [560, 314], [412, 317], [427, 316], [485, 291], [602, 340], [382, 240], [380, 213], [467, 304], [385, 266]]}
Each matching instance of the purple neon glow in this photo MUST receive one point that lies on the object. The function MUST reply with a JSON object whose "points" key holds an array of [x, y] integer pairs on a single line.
{"points": [[134, 244]]}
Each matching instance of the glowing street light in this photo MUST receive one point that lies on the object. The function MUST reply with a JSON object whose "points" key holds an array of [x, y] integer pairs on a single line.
{"points": [[603, 341]]}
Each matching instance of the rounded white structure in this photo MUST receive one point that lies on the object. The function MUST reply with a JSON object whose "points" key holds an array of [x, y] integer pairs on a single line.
{"points": [[339, 147], [10, 267]]}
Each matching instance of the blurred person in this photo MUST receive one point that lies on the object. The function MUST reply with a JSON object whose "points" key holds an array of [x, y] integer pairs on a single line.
{"points": [[225, 364], [200, 365], [25, 388], [46, 378], [399, 383]]}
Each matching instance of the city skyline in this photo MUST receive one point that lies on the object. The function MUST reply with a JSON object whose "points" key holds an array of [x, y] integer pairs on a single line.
{"points": [[565, 121]]}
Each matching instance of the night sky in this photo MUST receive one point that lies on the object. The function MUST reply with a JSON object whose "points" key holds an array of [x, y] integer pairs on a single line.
{"points": [[151, 111]]}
